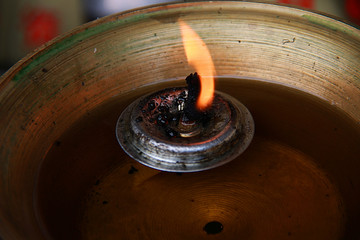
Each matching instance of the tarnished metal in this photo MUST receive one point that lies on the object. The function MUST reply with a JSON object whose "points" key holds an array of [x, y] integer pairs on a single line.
{"points": [[152, 130]]}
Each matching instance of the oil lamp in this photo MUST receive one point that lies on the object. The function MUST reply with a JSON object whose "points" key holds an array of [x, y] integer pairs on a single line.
{"points": [[186, 129]]}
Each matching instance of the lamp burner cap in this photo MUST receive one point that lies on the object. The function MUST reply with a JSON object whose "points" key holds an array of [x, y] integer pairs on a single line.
{"points": [[155, 131]]}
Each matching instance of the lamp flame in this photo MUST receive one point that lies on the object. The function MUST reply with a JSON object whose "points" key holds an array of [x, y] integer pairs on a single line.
{"points": [[198, 56]]}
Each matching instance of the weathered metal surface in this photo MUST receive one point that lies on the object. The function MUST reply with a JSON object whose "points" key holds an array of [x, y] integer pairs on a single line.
{"points": [[225, 133]]}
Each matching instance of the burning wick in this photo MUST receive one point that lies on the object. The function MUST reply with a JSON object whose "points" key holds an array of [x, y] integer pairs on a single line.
{"points": [[192, 116], [186, 129]]}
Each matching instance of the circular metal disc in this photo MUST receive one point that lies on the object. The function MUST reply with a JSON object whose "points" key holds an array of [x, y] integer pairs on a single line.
{"points": [[159, 144]]}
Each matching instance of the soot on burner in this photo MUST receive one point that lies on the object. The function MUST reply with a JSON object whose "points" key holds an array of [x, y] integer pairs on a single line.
{"points": [[164, 130]]}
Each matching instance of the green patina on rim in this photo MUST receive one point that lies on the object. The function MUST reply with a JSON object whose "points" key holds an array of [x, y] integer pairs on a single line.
{"points": [[87, 32], [330, 24], [71, 40]]}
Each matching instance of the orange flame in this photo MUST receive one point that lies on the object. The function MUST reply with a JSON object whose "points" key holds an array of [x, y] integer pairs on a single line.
{"points": [[199, 58]]}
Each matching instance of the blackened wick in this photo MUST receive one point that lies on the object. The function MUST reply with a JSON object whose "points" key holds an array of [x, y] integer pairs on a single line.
{"points": [[191, 113]]}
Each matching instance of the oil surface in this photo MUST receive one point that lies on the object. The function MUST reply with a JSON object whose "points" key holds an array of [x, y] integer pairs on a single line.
{"points": [[297, 179]]}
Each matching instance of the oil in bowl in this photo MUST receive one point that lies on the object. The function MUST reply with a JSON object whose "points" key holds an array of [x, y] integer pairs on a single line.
{"points": [[295, 180]]}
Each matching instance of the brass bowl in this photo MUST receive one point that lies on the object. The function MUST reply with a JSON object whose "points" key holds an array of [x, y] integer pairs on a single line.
{"points": [[45, 93]]}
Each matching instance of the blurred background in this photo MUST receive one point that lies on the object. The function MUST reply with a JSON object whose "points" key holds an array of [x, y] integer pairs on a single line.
{"points": [[27, 24]]}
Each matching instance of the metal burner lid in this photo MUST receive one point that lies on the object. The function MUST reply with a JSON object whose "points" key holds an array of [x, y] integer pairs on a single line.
{"points": [[154, 131]]}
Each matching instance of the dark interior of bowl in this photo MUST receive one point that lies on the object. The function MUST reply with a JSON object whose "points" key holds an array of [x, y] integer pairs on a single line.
{"points": [[287, 184]]}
